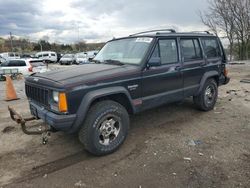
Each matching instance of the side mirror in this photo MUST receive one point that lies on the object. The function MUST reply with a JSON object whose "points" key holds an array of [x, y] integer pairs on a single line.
{"points": [[154, 62]]}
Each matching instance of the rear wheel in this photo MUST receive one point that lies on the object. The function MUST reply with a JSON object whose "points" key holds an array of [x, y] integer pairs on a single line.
{"points": [[208, 96], [105, 128]]}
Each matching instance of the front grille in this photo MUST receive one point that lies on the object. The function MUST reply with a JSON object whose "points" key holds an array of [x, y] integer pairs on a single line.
{"points": [[37, 94]]}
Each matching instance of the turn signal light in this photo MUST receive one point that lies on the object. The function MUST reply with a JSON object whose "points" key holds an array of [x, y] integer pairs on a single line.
{"points": [[62, 105]]}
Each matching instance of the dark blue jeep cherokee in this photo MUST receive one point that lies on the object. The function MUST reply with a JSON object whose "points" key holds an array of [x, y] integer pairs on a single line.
{"points": [[127, 76]]}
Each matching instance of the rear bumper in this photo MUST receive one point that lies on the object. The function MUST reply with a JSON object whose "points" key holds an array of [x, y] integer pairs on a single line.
{"points": [[59, 122]]}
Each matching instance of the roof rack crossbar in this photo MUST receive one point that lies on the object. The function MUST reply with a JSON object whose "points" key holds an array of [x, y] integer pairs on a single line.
{"points": [[156, 30], [207, 32]]}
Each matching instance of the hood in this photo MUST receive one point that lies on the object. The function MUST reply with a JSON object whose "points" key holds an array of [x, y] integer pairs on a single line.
{"points": [[88, 74]]}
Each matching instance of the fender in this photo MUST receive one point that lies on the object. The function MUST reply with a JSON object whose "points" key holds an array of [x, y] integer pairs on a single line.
{"points": [[204, 78], [90, 97]]}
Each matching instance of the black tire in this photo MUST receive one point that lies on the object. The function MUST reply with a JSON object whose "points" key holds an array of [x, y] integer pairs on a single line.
{"points": [[98, 116], [205, 101]]}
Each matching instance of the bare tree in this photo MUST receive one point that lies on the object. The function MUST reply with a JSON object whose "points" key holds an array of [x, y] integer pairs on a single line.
{"points": [[230, 18]]}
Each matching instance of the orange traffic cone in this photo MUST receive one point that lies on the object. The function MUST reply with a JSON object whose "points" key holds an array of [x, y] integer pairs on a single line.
{"points": [[10, 90]]}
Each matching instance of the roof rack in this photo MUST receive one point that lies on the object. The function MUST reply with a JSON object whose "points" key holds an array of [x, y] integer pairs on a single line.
{"points": [[207, 32], [156, 30]]}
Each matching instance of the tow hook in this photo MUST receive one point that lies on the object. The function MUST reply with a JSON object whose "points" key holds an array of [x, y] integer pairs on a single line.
{"points": [[42, 130]]}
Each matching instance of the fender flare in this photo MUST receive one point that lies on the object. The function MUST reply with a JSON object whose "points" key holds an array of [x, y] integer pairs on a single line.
{"points": [[90, 97], [204, 79]]}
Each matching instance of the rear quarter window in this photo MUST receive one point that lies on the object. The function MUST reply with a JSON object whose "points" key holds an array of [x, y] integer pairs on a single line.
{"points": [[211, 47]]}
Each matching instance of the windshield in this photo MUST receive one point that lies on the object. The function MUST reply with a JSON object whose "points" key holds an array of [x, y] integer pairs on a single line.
{"points": [[127, 51]]}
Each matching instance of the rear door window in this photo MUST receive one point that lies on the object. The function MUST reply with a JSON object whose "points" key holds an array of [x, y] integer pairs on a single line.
{"points": [[211, 47], [191, 49]]}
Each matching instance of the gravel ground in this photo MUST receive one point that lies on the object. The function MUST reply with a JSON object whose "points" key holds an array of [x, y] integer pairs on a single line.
{"points": [[170, 146]]}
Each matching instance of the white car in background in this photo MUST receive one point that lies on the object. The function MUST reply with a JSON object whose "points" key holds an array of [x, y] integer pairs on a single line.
{"points": [[23, 66], [47, 56], [91, 54], [85, 57], [10, 55], [81, 58], [67, 59]]}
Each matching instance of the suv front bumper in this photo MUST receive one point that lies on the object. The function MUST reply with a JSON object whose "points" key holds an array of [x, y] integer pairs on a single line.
{"points": [[59, 122]]}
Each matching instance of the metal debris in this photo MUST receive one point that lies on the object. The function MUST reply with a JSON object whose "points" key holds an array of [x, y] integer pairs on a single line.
{"points": [[194, 142], [8, 129], [245, 81], [187, 158], [200, 154], [80, 184]]}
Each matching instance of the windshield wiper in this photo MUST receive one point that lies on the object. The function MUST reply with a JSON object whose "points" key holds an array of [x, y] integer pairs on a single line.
{"points": [[113, 62]]}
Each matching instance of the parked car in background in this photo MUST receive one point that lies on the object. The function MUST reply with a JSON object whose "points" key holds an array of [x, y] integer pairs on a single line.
{"points": [[38, 65], [27, 55], [24, 66], [67, 59], [81, 58], [10, 55], [47, 56], [91, 54]]}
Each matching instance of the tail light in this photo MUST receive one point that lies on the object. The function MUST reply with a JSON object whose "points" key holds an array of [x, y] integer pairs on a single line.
{"points": [[30, 69], [225, 71]]}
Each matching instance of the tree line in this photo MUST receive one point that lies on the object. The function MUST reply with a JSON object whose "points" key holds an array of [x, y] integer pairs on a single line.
{"points": [[25, 46], [231, 20]]}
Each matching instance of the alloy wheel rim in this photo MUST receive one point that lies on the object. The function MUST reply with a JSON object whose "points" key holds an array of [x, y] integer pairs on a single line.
{"points": [[109, 129], [209, 94]]}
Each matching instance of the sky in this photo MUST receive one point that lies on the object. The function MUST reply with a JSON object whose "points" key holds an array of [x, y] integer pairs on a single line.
{"points": [[70, 21]]}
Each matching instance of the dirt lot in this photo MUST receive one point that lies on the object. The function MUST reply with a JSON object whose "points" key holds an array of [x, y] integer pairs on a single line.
{"points": [[171, 146]]}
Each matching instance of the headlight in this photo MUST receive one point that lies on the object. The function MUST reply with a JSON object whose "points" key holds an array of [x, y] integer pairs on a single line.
{"points": [[55, 95]]}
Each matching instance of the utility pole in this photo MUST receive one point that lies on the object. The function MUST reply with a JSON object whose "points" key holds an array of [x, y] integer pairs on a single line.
{"points": [[41, 47], [11, 43], [78, 39]]}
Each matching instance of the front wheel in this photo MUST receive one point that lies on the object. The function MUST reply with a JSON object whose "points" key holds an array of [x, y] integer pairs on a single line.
{"points": [[105, 128], [208, 96]]}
